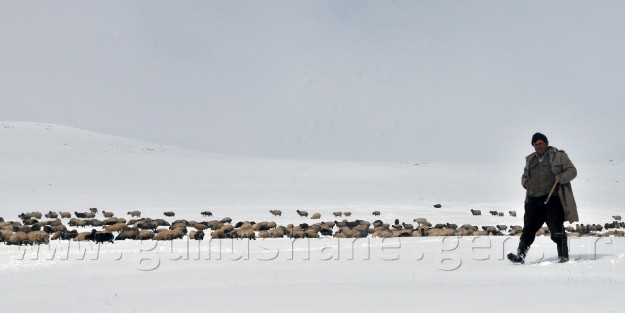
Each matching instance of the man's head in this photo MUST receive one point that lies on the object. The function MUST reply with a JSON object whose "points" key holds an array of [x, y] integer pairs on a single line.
{"points": [[540, 143]]}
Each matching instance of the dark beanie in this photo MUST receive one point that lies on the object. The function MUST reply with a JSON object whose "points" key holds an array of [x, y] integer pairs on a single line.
{"points": [[539, 136]]}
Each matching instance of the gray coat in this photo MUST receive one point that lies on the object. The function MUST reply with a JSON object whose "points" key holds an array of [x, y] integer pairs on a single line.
{"points": [[560, 165]]}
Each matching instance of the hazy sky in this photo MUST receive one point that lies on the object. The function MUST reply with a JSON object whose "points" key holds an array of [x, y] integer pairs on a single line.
{"points": [[356, 80]]}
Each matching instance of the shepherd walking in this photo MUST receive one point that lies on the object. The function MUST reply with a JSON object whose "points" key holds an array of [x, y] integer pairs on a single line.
{"points": [[549, 197]]}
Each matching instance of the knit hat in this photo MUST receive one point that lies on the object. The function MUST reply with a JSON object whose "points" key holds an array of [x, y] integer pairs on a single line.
{"points": [[539, 136]]}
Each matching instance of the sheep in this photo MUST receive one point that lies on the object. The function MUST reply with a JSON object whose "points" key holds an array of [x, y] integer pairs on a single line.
{"points": [[512, 213], [276, 212], [196, 235], [51, 214], [17, 238], [246, 233], [75, 222], [616, 217], [316, 216], [302, 213], [55, 222], [146, 235], [199, 226], [107, 214], [5, 234], [226, 220], [134, 213], [421, 221], [500, 214], [348, 214], [407, 226], [493, 213], [84, 236], [64, 214], [264, 226], [215, 225], [206, 213], [402, 233], [337, 214], [278, 232], [438, 206], [116, 227], [131, 233], [169, 234], [376, 213], [383, 234], [101, 237], [465, 232], [476, 212], [80, 215], [325, 231], [441, 232], [89, 214], [169, 214], [94, 210], [502, 227]]}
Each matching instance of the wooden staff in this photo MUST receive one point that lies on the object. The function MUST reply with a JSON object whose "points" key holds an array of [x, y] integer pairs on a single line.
{"points": [[552, 189]]}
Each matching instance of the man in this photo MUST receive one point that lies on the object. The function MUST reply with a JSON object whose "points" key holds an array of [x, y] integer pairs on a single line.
{"points": [[545, 169]]}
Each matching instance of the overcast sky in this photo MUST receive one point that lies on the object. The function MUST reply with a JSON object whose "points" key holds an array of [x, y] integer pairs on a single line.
{"points": [[355, 80]]}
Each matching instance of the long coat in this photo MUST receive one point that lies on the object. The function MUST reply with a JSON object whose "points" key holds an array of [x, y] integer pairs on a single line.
{"points": [[560, 165]]}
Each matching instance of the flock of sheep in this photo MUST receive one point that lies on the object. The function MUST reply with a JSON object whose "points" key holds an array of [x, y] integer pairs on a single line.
{"points": [[31, 229]]}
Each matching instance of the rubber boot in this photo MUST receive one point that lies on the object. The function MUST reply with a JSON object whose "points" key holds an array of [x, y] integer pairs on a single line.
{"points": [[519, 257], [563, 252]]}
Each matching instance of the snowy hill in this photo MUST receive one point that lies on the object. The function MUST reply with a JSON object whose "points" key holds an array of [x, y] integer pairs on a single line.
{"points": [[58, 167], [51, 167]]}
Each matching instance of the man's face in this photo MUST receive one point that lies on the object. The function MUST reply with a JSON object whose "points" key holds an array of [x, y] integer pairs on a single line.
{"points": [[540, 147]]}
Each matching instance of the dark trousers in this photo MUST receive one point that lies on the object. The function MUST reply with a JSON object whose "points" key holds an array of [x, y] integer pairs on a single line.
{"points": [[536, 214]]}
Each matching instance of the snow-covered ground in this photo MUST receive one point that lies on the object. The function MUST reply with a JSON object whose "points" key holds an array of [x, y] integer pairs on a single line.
{"points": [[51, 167]]}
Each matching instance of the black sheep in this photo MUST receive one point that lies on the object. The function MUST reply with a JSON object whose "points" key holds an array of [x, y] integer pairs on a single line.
{"points": [[80, 215], [101, 237]]}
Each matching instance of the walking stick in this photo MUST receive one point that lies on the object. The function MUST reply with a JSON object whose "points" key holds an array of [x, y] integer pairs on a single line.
{"points": [[552, 189]]}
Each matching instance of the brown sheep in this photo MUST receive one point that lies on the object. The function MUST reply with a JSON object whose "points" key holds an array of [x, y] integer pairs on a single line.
{"points": [[107, 214], [246, 233], [316, 216], [302, 213], [116, 227], [348, 214], [215, 225], [441, 232], [18, 238], [376, 213], [276, 212], [337, 214], [169, 234], [83, 236], [263, 234], [64, 214], [311, 233], [146, 235], [226, 220], [277, 232], [383, 234]]}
